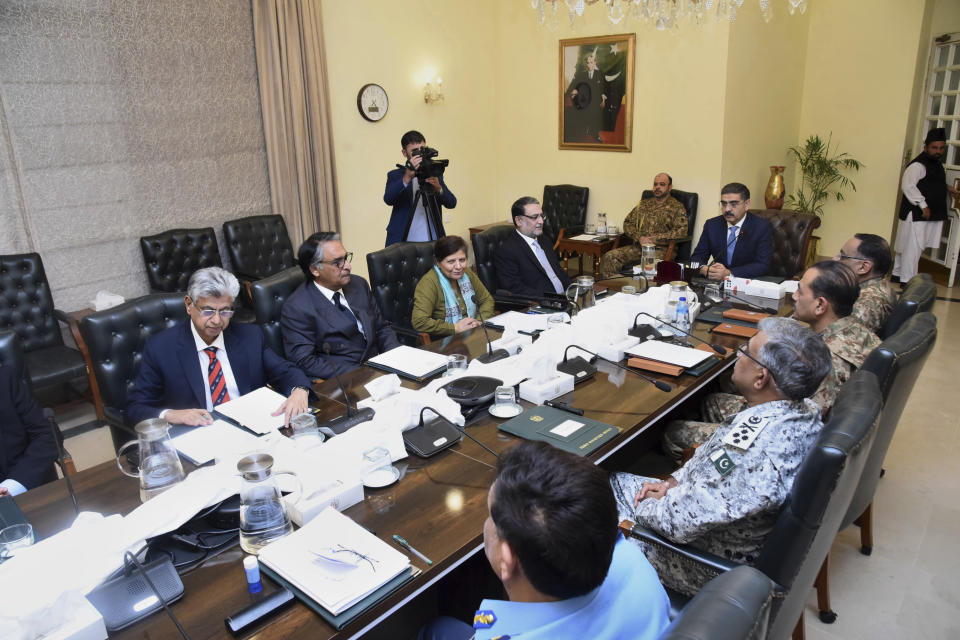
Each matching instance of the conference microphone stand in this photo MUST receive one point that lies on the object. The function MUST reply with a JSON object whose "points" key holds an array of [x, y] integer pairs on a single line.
{"points": [[579, 368], [720, 350], [443, 418], [354, 416], [492, 355]]}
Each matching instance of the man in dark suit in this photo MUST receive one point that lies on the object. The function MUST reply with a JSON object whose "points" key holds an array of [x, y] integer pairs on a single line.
{"points": [[28, 450], [739, 243], [332, 320], [189, 369], [400, 191], [526, 263]]}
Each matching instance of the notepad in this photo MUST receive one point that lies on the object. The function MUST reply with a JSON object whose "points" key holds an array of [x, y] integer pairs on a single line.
{"points": [[670, 353], [334, 561], [410, 362], [200, 445], [253, 410], [526, 323]]}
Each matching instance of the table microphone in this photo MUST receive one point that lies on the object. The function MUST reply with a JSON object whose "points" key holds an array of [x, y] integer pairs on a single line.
{"points": [[579, 368], [48, 414], [492, 355], [354, 416], [443, 418], [720, 350]]}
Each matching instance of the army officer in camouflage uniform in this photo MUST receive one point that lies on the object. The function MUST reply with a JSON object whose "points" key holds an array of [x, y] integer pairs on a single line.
{"points": [[725, 499], [656, 220], [824, 299], [869, 257]]}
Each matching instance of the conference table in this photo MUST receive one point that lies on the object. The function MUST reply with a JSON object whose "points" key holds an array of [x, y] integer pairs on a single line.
{"points": [[438, 505]]}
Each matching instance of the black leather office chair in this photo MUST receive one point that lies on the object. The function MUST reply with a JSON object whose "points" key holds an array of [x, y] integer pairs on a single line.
{"points": [[917, 296], [733, 606], [172, 256], [690, 202], [564, 210], [115, 339], [258, 246], [269, 294], [394, 274], [896, 363], [485, 245], [795, 548], [26, 307]]}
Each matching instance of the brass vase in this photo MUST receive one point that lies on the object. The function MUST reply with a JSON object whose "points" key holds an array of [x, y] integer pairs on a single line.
{"points": [[773, 196]]}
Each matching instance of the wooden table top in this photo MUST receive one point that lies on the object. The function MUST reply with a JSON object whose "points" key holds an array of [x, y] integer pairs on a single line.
{"points": [[439, 504]]}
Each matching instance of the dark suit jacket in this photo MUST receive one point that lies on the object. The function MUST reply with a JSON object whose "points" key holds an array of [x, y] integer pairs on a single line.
{"points": [[309, 320], [170, 376], [751, 256], [28, 449], [519, 271], [401, 199]]}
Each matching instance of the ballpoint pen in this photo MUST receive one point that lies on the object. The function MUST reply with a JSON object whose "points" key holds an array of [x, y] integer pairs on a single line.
{"points": [[406, 545]]}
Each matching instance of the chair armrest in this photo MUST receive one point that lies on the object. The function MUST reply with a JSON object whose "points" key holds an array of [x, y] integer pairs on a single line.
{"points": [[411, 333], [567, 232], [705, 558], [62, 316]]}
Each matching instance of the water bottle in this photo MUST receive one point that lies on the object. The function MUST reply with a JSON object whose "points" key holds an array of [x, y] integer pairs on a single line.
{"points": [[683, 315]]}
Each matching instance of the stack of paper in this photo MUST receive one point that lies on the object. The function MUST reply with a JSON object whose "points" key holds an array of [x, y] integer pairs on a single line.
{"points": [[200, 445], [253, 410], [521, 322], [410, 362], [685, 357], [334, 561]]}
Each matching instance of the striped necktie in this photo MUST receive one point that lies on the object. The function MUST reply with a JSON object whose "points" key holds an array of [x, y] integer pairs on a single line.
{"points": [[218, 385]]}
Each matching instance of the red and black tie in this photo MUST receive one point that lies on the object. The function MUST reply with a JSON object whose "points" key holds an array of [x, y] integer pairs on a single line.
{"points": [[218, 385]]}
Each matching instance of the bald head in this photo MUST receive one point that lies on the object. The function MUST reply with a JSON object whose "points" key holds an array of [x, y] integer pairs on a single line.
{"points": [[662, 183]]}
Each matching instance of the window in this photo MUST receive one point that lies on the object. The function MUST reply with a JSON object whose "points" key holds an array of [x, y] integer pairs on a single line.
{"points": [[943, 98]]}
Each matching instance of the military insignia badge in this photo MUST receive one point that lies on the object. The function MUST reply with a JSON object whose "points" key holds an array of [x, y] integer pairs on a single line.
{"points": [[484, 619], [743, 435], [722, 461]]}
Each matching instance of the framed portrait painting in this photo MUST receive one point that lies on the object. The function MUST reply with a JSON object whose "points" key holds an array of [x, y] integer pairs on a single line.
{"points": [[596, 93]]}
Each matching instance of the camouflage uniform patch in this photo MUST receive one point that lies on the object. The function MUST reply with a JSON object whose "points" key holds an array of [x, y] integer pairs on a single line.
{"points": [[661, 221], [875, 303], [729, 515], [687, 434]]}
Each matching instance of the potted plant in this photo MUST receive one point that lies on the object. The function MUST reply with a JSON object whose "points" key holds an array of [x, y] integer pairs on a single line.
{"points": [[822, 176]]}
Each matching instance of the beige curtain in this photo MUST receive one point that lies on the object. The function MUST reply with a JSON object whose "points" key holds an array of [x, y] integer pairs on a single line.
{"points": [[288, 37]]}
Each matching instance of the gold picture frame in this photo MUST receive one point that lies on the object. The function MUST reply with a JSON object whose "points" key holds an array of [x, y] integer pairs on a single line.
{"points": [[590, 66]]}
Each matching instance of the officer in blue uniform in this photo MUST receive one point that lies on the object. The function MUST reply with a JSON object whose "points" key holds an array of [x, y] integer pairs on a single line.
{"points": [[551, 537]]}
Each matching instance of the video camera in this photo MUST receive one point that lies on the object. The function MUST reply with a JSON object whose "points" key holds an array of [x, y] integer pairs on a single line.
{"points": [[429, 168]]}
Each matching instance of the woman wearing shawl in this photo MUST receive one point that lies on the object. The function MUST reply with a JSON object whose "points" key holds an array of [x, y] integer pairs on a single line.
{"points": [[443, 302]]}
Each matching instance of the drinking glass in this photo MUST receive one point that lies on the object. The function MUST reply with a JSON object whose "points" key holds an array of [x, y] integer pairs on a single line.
{"points": [[304, 426], [377, 467], [613, 230], [590, 228], [555, 320], [15, 537], [455, 363]]}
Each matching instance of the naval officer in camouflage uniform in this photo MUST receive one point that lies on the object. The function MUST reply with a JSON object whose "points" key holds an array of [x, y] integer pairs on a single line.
{"points": [[824, 299], [725, 499], [656, 220], [869, 257], [551, 537]]}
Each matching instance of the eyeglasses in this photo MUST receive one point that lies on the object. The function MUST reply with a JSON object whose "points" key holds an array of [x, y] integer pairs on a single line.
{"points": [[339, 262], [843, 256], [539, 216], [226, 313], [744, 350], [731, 203]]}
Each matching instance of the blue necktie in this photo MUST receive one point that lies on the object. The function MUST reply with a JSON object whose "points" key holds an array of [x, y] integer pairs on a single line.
{"points": [[345, 310], [731, 244]]}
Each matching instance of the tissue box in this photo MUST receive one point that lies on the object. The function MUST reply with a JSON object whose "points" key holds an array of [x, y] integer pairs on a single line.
{"points": [[512, 345], [86, 623], [537, 392], [345, 493], [759, 288], [615, 351]]}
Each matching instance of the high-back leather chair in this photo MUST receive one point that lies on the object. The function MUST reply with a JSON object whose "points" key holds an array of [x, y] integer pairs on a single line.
{"points": [[115, 338], [26, 308], [269, 294], [171, 257], [896, 363], [394, 274], [809, 519], [259, 246], [485, 245], [792, 231], [917, 296], [733, 606], [690, 202], [564, 210]]}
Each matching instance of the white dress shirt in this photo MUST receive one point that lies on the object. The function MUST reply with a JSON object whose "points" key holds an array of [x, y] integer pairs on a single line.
{"points": [[343, 300], [204, 361]]}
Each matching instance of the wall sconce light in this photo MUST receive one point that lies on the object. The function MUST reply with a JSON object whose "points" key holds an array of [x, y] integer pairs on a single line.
{"points": [[431, 92]]}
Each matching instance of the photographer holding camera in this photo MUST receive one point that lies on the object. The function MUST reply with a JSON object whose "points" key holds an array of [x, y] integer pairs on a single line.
{"points": [[416, 192]]}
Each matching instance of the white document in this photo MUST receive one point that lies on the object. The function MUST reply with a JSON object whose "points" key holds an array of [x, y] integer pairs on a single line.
{"points": [[200, 445], [585, 236], [253, 410], [411, 361], [334, 561], [669, 353], [521, 322]]}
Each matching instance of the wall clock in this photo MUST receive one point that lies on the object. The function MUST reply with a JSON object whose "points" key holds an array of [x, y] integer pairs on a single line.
{"points": [[372, 102]]}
